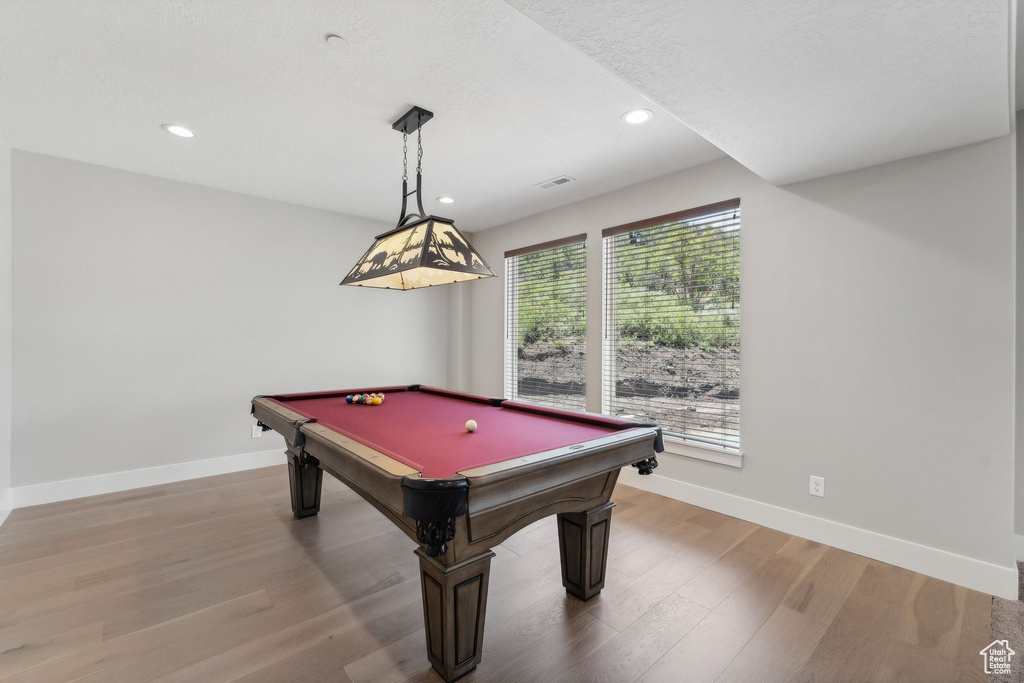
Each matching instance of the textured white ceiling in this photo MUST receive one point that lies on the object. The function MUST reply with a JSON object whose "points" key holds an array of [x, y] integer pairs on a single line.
{"points": [[279, 114], [796, 89]]}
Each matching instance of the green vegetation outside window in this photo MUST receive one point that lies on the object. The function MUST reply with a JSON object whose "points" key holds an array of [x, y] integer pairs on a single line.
{"points": [[546, 323], [672, 323]]}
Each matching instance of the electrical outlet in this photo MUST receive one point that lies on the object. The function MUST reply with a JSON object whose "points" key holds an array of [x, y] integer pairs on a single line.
{"points": [[257, 431], [818, 486]]}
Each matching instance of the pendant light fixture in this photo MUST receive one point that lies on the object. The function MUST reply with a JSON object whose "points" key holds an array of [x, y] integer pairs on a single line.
{"points": [[422, 251]]}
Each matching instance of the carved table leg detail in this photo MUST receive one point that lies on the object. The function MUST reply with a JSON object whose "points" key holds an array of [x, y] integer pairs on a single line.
{"points": [[454, 608], [306, 480], [583, 545]]}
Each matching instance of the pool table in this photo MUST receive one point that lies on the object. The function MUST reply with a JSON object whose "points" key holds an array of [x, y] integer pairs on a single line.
{"points": [[459, 493]]}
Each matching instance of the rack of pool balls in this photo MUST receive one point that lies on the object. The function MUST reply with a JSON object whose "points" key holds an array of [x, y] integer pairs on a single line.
{"points": [[365, 399]]}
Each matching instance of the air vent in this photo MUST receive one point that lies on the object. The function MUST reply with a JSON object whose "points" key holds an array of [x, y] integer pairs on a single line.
{"points": [[554, 182]]}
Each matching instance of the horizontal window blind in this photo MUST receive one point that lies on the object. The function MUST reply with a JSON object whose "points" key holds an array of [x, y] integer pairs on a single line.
{"points": [[672, 323], [546, 323]]}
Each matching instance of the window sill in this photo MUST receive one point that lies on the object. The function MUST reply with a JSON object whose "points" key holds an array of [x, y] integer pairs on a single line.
{"points": [[689, 449]]}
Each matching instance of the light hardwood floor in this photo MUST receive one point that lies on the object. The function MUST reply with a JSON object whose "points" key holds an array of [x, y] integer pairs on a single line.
{"points": [[213, 580]]}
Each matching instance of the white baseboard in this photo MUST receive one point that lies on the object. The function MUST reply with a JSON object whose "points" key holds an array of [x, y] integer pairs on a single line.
{"points": [[6, 503], [941, 564], [66, 489]]}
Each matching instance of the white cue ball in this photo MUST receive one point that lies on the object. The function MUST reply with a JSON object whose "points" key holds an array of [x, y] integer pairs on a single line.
{"points": [[470, 425]]}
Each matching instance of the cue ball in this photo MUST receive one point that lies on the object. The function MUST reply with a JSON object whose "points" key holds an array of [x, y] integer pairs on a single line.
{"points": [[470, 425]]}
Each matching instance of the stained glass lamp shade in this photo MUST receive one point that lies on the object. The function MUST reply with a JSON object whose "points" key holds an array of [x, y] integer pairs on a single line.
{"points": [[426, 253]]}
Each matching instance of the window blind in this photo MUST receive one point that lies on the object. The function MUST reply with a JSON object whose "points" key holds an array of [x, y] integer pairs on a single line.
{"points": [[672, 322], [546, 323]]}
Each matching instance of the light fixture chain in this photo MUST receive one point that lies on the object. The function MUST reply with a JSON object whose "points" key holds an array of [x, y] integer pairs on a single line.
{"points": [[405, 157], [419, 150]]}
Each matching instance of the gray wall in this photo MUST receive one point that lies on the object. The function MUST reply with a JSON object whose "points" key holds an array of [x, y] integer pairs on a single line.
{"points": [[1019, 368], [878, 338], [5, 323], [148, 312]]}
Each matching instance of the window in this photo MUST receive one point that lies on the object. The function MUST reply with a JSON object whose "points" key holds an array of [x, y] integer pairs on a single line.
{"points": [[672, 323], [546, 323]]}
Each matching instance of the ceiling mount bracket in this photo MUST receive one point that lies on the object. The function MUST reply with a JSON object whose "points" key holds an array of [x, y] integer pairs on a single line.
{"points": [[412, 120]]}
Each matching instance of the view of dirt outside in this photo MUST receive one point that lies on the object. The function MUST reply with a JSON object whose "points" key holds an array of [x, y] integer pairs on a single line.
{"points": [[689, 390]]}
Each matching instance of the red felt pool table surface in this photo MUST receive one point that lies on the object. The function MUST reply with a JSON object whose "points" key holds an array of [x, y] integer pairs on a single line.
{"points": [[425, 428]]}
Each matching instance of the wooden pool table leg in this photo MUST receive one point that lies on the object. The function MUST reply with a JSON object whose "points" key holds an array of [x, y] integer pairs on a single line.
{"points": [[306, 479], [454, 607], [583, 546]]}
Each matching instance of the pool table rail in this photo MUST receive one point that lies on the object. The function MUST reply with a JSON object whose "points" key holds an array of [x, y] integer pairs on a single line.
{"points": [[273, 416]]}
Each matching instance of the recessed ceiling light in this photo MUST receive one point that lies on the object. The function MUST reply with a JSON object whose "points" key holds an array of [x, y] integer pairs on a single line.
{"points": [[446, 200], [637, 116], [180, 131]]}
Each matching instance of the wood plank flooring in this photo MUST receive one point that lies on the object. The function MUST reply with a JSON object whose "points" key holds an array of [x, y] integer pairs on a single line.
{"points": [[213, 580]]}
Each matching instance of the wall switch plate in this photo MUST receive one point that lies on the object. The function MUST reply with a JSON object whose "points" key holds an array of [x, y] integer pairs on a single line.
{"points": [[818, 486], [257, 431]]}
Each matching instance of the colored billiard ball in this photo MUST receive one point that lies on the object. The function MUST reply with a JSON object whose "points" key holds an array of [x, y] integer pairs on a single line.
{"points": [[376, 401], [470, 425], [348, 399]]}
